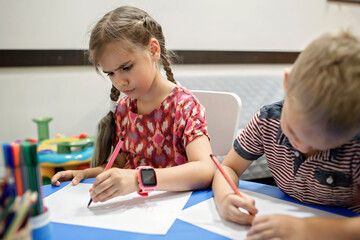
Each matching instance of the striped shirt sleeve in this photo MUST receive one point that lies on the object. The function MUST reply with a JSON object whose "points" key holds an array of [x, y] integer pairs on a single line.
{"points": [[249, 144]]}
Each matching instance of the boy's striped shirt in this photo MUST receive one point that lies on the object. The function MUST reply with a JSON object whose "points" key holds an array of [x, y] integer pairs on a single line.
{"points": [[330, 177]]}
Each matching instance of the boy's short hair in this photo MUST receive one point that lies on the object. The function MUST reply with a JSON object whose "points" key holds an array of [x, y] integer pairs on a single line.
{"points": [[325, 82]]}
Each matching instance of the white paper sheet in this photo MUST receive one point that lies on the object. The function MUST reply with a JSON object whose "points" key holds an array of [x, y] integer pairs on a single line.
{"points": [[151, 215], [205, 215]]}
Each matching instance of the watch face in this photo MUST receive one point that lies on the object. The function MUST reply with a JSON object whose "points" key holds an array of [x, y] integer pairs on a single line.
{"points": [[148, 177]]}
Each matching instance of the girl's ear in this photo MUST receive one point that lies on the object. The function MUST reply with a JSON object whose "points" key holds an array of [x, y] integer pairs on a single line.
{"points": [[155, 49]]}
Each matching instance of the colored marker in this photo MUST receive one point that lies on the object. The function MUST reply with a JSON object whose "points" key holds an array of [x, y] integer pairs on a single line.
{"points": [[37, 178], [5, 147], [17, 169], [30, 155], [24, 170], [112, 159], [9, 162], [25, 146]]}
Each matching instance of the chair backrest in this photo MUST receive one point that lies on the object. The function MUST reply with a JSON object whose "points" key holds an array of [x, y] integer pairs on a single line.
{"points": [[222, 115]]}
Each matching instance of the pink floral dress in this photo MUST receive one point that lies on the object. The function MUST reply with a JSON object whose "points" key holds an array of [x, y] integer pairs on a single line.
{"points": [[158, 139]]}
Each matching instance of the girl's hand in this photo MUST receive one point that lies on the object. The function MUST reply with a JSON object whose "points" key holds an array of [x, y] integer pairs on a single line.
{"points": [[229, 208], [75, 175], [114, 182], [277, 227]]}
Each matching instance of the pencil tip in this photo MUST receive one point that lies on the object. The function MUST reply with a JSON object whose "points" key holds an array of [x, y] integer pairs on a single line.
{"points": [[89, 203], [211, 155]]}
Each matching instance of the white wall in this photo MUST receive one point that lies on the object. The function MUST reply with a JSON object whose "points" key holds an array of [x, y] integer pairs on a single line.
{"points": [[75, 97], [188, 24]]}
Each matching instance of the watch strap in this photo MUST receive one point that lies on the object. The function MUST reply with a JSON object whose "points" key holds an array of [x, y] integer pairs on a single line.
{"points": [[143, 191]]}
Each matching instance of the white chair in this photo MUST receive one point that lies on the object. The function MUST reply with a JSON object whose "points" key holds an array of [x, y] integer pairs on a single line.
{"points": [[222, 115]]}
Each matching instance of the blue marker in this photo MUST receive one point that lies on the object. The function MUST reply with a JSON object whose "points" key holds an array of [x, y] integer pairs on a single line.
{"points": [[9, 162], [5, 146]]}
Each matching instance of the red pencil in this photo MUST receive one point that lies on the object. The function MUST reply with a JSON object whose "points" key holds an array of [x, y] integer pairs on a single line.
{"points": [[232, 185], [112, 159]]}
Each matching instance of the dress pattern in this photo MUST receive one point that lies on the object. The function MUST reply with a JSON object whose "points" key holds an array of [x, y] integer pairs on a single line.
{"points": [[158, 139]]}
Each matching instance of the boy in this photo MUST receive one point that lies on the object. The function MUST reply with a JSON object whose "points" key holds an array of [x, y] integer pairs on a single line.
{"points": [[312, 144]]}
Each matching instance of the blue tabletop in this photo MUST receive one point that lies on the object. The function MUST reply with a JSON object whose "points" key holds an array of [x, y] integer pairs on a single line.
{"points": [[180, 229]]}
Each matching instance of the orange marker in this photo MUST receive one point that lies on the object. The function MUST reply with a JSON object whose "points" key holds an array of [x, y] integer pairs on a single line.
{"points": [[17, 169]]}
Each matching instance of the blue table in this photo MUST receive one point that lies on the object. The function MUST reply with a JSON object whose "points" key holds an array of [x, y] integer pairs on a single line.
{"points": [[180, 229]]}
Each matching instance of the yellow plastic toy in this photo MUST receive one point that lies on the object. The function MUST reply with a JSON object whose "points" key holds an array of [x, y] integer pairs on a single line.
{"points": [[61, 153]]}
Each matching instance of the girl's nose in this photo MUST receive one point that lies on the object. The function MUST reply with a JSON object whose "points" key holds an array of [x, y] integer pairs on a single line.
{"points": [[121, 81]]}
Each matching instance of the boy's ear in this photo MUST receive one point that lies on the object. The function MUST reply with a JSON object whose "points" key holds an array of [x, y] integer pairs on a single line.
{"points": [[155, 49], [286, 75]]}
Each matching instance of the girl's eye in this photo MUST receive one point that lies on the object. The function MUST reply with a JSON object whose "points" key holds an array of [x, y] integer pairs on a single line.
{"points": [[110, 74], [127, 68]]}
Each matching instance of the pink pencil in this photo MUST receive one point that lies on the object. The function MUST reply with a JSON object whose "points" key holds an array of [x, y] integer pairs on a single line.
{"points": [[232, 185], [112, 159]]}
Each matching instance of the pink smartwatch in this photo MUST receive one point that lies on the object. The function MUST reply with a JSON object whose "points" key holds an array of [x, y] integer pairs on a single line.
{"points": [[147, 180]]}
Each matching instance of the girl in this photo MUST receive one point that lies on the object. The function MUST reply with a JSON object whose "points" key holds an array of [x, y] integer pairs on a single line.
{"points": [[162, 123]]}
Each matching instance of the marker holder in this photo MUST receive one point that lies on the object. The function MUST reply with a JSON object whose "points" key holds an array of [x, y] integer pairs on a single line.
{"points": [[41, 226]]}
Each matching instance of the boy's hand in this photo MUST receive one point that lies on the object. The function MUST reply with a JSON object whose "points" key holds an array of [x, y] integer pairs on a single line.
{"points": [[229, 208], [277, 227], [75, 175], [114, 182]]}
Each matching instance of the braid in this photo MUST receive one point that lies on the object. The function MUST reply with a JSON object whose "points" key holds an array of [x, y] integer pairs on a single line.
{"points": [[115, 93], [166, 64], [155, 30], [106, 134]]}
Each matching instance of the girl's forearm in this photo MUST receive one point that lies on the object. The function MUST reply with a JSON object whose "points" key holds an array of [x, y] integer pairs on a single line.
{"points": [[189, 176]]}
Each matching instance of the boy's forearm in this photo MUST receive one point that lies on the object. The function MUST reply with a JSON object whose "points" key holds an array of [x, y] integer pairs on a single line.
{"points": [[220, 187], [333, 229]]}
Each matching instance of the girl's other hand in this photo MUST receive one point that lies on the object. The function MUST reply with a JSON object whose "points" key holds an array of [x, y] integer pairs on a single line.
{"points": [[75, 175], [114, 182], [229, 208]]}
